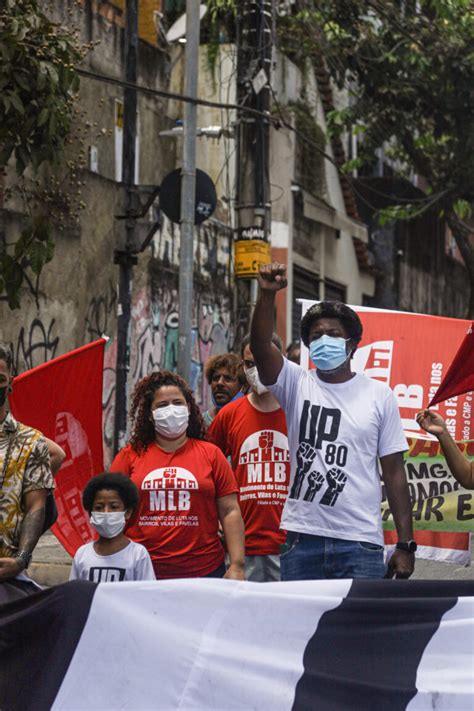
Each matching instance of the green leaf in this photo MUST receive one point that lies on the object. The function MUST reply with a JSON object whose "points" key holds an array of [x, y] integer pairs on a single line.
{"points": [[52, 125], [463, 209], [5, 153], [7, 103], [51, 69], [43, 116], [22, 242], [22, 82], [16, 101], [38, 256], [49, 250], [22, 159], [13, 296], [12, 273], [42, 229]]}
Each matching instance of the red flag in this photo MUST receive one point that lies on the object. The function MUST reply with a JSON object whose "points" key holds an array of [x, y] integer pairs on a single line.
{"points": [[63, 399], [459, 378]]}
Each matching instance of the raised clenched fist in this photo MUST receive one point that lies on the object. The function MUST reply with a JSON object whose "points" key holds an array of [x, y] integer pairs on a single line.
{"points": [[272, 277]]}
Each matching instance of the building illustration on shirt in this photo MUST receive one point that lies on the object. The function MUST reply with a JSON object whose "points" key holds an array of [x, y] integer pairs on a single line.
{"points": [[170, 488], [170, 478], [266, 457]]}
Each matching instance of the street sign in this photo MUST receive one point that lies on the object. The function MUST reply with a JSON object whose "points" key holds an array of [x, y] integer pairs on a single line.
{"points": [[249, 255], [205, 197]]}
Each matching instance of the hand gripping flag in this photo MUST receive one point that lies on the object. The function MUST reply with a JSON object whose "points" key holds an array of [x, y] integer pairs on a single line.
{"points": [[459, 378], [210, 645], [63, 399]]}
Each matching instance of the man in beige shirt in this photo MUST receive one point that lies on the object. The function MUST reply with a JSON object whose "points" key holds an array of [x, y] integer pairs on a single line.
{"points": [[25, 479]]}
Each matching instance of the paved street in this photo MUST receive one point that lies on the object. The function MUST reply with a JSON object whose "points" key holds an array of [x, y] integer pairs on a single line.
{"points": [[52, 564]]}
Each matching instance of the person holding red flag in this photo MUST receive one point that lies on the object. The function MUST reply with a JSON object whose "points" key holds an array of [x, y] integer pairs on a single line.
{"points": [[185, 483], [461, 468]]}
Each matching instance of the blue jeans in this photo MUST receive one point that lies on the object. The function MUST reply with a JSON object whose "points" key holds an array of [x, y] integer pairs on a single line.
{"points": [[320, 558]]}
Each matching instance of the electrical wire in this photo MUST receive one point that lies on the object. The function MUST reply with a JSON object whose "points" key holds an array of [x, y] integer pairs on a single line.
{"points": [[277, 122]]}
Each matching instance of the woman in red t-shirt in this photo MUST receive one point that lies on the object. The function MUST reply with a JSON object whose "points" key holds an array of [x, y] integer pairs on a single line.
{"points": [[186, 485]]}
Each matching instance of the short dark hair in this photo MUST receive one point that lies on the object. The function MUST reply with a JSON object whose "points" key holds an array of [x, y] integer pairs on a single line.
{"points": [[276, 340], [120, 483], [332, 309], [6, 355], [293, 346], [231, 361]]}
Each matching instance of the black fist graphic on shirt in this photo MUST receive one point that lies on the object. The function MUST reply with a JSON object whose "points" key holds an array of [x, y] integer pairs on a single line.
{"points": [[304, 459], [336, 480], [315, 482]]}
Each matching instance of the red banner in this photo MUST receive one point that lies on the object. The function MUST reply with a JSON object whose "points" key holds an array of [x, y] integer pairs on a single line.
{"points": [[63, 399], [460, 376], [411, 353]]}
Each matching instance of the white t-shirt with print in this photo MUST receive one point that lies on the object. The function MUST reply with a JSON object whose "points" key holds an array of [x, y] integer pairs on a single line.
{"points": [[336, 433], [131, 563]]}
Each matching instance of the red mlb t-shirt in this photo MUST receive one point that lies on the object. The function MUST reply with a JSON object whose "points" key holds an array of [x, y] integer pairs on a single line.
{"points": [[177, 519], [257, 444]]}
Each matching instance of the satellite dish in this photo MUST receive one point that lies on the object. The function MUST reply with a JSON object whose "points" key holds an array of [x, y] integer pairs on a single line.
{"points": [[178, 28], [170, 196]]}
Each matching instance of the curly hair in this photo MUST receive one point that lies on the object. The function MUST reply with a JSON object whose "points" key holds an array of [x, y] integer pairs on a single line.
{"points": [[120, 483], [231, 361], [332, 309], [143, 430]]}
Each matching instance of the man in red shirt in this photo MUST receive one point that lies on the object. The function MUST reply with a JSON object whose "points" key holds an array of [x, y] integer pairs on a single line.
{"points": [[252, 432]]}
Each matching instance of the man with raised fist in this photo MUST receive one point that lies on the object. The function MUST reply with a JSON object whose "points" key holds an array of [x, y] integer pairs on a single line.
{"points": [[340, 424]]}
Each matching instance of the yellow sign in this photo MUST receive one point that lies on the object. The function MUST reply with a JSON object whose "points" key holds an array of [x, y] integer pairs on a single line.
{"points": [[249, 255]]}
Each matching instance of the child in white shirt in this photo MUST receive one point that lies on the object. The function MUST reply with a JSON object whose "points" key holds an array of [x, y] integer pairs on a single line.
{"points": [[111, 499]]}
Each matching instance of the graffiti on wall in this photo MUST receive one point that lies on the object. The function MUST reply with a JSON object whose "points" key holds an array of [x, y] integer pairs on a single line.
{"points": [[155, 330], [101, 314], [154, 316], [35, 344], [154, 341]]}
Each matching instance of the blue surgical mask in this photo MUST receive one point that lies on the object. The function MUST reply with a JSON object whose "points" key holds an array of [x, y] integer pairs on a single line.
{"points": [[328, 353], [219, 407]]}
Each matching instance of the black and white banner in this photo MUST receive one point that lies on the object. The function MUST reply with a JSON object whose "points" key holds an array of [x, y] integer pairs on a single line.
{"points": [[214, 644]]}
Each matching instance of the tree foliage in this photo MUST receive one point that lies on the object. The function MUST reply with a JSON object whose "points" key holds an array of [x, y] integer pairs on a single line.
{"points": [[38, 84], [409, 70]]}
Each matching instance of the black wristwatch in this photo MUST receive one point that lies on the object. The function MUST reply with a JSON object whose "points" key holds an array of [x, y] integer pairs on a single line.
{"points": [[409, 546], [25, 557]]}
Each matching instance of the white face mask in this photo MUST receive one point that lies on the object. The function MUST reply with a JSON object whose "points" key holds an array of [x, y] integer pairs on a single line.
{"points": [[171, 421], [254, 381], [108, 524]]}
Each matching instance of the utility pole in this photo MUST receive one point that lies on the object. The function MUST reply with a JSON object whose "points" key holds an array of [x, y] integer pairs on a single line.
{"points": [[188, 191], [126, 257], [254, 62]]}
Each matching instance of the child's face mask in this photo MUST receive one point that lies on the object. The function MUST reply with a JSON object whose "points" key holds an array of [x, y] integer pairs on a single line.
{"points": [[108, 524]]}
